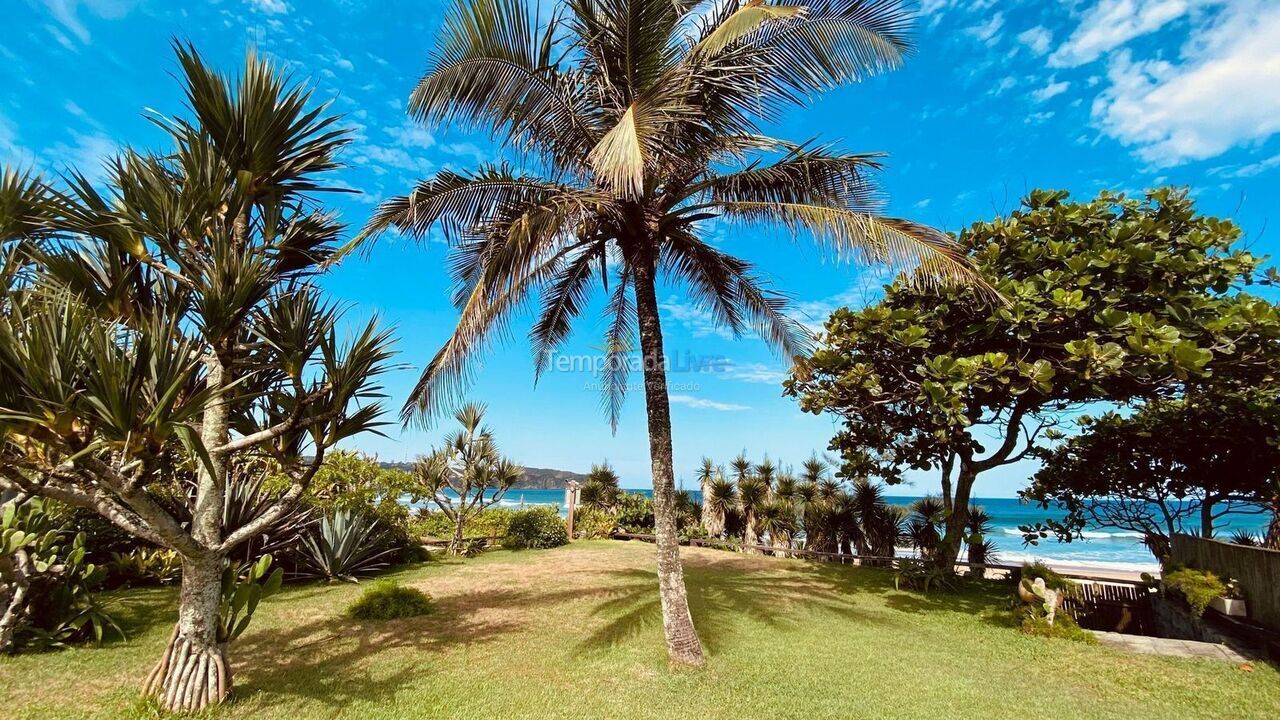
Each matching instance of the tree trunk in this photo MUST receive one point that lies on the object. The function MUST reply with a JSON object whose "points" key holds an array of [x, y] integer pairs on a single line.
{"points": [[1206, 519], [948, 550], [14, 586], [749, 536], [683, 645], [455, 547], [194, 671]]}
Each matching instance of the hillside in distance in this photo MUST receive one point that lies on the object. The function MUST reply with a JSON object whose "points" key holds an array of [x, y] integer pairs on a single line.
{"points": [[534, 478]]}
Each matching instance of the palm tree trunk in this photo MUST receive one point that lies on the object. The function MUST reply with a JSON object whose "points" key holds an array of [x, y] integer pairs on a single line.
{"points": [[683, 645]]}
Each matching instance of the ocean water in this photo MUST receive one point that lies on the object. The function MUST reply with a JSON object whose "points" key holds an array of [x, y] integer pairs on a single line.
{"points": [[1101, 547]]}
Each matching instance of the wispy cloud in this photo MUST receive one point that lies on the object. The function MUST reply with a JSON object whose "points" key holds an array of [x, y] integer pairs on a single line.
{"points": [[1109, 24], [1050, 91], [1223, 90], [704, 404], [1037, 39], [754, 372], [269, 7]]}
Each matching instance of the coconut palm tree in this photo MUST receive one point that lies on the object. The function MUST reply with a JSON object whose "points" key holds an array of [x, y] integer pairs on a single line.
{"points": [[636, 123]]}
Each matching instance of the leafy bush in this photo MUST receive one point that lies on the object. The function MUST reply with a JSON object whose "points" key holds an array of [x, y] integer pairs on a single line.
{"points": [[1052, 580], [46, 583], [635, 513], [923, 576], [344, 546], [536, 528], [243, 587], [1197, 587], [590, 523], [143, 566], [490, 522], [388, 601]]}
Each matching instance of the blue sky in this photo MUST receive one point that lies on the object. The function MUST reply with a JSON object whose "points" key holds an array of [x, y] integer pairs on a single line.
{"points": [[998, 98]]}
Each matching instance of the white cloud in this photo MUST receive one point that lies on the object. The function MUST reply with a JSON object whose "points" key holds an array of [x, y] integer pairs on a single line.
{"points": [[1037, 39], [269, 7], [411, 134], [85, 153], [759, 373], [1223, 91], [699, 322], [987, 32], [1006, 84], [1244, 171], [703, 404], [1038, 117], [67, 14], [1109, 24], [1052, 90]]}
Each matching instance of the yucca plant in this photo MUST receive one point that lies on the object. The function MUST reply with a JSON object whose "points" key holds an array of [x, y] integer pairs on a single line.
{"points": [[600, 491], [637, 124], [752, 493], [162, 327], [923, 526], [344, 546], [977, 529], [720, 502], [707, 471]]}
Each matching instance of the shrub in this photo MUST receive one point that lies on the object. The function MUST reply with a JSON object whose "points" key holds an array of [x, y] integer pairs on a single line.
{"points": [[387, 600], [1052, 580], [922, 575], [635, 513], [344, 546], [591, 523], [143, 566], [1032, 621], [1197, 587], [536, 528], [490, 522]]}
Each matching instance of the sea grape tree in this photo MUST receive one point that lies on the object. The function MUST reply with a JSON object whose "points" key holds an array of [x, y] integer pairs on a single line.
{"points": [[1109, 300], [161, 330]]}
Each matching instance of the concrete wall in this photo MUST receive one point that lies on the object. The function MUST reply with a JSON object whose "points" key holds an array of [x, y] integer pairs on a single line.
{"points": [[1256, 570]]}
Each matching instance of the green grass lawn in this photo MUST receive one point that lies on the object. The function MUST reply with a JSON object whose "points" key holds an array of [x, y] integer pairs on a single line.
{"points": [[576, 633]]}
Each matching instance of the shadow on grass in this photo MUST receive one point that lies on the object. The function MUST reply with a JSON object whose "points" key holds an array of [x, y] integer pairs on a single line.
{"points": [[721, 596]]}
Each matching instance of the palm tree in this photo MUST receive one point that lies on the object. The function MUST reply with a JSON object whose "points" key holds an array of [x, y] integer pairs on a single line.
{"points": [[637, 123], [752, 493], [776, 520], [706, 473], [926, 515], [720, 503], [601, 489]]}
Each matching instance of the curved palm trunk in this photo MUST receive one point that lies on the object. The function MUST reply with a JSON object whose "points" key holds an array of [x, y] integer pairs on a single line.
{"points": [[683, 645]]}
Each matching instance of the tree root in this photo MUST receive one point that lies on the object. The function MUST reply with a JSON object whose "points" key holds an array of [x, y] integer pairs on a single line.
{"points": [[190, 676]]}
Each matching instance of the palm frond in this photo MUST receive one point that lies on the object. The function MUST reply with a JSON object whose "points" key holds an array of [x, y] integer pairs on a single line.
{"points": [[743, 21], [871, 238]]}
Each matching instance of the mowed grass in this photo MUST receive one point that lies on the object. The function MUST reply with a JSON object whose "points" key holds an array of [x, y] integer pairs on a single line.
{"points": [[576, 633]]}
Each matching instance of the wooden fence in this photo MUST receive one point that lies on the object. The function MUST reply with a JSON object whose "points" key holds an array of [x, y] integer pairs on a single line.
{"points": [[1257, 571]]}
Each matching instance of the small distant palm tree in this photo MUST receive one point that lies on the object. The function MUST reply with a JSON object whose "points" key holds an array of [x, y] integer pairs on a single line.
{"points": [[981, 550], [927, 514], [639, 121], [776, 521], [720, 503], [752, 493], [601, 489], [706, 474]]}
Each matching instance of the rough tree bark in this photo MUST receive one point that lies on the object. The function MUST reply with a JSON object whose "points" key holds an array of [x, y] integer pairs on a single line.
{"points": [[195, 671], [683, 645], [15, 583]]}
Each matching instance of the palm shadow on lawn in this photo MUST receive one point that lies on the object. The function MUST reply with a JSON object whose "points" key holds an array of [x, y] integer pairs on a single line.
{"points": [[719, 597]]}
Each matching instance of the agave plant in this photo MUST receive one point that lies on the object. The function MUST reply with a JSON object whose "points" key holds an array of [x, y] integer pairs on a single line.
{"points": [[344, 546]]}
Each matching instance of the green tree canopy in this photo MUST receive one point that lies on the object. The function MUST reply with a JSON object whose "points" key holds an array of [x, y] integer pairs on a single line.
{"points": [[1171, 465], [1111, 299]]}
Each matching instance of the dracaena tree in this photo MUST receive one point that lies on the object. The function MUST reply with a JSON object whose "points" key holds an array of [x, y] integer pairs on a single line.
{"points": [[636, 123], [161, 332]]}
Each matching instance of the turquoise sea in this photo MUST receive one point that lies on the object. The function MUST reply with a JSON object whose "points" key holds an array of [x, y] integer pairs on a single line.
{"points": [[1104, 548]]}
